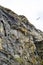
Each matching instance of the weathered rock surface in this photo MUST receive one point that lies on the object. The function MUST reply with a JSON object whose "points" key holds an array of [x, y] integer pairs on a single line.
{"points": [[20, 42]]}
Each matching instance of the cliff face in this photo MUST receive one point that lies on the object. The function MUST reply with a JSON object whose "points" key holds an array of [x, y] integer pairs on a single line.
{"points": [[20, 42]]}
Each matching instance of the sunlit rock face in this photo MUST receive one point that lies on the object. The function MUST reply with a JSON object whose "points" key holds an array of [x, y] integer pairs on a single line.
{"points": [[20, 42]]}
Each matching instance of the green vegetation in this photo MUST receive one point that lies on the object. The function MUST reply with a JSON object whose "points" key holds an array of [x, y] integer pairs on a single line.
{"points": [[20, 60], [41, 62]]}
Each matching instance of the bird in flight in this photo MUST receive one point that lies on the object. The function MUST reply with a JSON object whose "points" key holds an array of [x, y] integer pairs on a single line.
{"points": [[38, 18]]}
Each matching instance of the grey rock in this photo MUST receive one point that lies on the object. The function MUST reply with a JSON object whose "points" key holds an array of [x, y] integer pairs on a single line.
{"points": [[20, 42]]}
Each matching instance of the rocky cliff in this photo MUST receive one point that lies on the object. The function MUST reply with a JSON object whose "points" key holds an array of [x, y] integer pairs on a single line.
{"points": [[20, 42]]}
